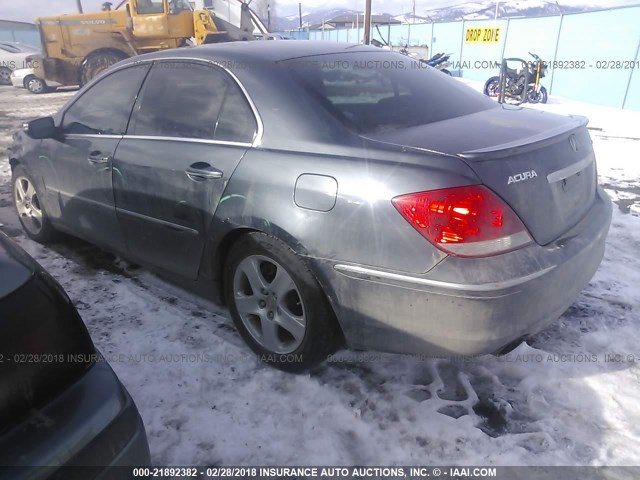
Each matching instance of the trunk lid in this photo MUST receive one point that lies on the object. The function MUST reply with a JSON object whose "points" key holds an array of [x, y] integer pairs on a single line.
{"points": [[540, 163]]}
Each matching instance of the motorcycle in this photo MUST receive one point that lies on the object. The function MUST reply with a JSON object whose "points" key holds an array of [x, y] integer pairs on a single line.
{"points": [[532, 73], [441, 62]]}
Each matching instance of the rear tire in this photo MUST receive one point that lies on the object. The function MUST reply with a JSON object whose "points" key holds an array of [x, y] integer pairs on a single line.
{"points": [[5, 76], [31, 212], [98, 62], [35, 85], [277, 305], [491, 87]]}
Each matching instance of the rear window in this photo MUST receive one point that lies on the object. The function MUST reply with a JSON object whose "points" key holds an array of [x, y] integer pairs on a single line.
{"points": [[375, 92]]}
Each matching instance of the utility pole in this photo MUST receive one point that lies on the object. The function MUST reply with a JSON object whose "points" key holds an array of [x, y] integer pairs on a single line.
{"points": [[269, 16], [79, 3], [413, 20], [367, 22], [300, 14]]}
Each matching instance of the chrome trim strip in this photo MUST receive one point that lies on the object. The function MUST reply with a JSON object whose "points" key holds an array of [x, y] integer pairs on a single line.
{"points": [[188, 140], [258, 138], [164, 223], [260, 130], [371, 274], [571, 170], [90, 135]]}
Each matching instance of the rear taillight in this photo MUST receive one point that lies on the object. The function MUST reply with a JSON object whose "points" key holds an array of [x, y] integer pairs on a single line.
{"points": [[464, 221], [29, 60]]}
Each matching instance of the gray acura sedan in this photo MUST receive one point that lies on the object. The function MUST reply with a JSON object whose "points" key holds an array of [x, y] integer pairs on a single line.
{"points": [[325, 193]]}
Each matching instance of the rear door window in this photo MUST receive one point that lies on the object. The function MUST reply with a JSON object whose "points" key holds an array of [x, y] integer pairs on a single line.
{"points": [[192, 100]]}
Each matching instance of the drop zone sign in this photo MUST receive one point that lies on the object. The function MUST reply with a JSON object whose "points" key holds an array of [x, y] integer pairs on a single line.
{"points": [[482, 35]]}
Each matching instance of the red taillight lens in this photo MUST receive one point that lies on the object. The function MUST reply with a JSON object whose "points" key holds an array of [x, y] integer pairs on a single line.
{"points": [[465, 221]]}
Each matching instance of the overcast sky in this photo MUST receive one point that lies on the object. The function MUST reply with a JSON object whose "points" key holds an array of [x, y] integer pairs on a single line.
{"points": [[28, 10]]}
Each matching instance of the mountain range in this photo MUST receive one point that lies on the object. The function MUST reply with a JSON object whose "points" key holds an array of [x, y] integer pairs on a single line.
{"points": [[479, 10]]}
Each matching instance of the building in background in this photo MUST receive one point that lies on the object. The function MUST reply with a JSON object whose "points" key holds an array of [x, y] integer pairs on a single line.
{"points": [[350, 21]]}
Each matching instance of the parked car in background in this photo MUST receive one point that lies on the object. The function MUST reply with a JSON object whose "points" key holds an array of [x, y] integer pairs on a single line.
{"points": [[26, 78], [19, 46], [325, 191], [60, 404], [14, 56]]}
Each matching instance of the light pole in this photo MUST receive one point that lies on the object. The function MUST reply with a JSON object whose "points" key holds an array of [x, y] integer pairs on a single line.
{"points": [[79, 3], [300, 15], [269, 16], [367, 22], [413, 20]]}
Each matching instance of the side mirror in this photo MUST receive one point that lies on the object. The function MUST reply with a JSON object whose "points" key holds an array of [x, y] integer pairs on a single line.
{"points": [[42, 128]]}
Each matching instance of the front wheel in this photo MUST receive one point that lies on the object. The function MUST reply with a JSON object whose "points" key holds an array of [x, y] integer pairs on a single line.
{"points": [[35, 85], [31, 212], [277, 305], [537, 97], [492, 87]]}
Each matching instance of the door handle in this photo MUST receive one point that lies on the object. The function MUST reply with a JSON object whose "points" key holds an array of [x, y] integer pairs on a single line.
{"points": [[201, 171], [98, 158]]}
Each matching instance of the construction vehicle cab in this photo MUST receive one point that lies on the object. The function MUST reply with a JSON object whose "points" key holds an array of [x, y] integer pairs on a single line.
{"points": [[78, 47]]}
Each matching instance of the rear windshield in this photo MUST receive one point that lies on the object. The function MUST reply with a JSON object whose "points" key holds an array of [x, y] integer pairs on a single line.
{"points": [[374, 92]]}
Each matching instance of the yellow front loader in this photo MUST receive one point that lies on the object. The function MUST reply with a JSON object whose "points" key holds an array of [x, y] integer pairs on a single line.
{"points": [[76, 48]]}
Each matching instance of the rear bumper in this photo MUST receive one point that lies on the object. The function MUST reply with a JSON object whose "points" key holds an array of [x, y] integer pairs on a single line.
{"points": [[92, 424], [468, 306]]}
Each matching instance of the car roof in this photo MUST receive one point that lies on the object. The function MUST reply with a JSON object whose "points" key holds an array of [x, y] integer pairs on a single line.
{"points": [[23, 47], [16, 267], [262, 50]]}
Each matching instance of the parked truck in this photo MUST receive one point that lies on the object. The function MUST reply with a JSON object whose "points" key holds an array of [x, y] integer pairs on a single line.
{"points": [[76, 48]]}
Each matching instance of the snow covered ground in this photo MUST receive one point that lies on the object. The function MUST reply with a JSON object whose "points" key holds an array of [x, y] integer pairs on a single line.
{"points": [[568, 397]]}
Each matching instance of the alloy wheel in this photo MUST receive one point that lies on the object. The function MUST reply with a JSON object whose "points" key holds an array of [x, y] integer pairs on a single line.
{"points": [[28, 205], [269, 304]]}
